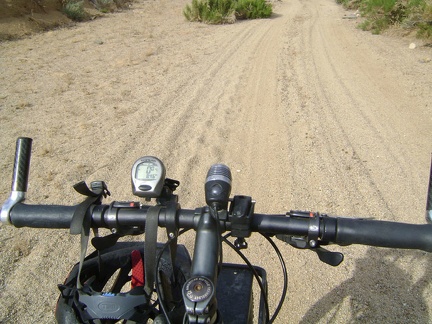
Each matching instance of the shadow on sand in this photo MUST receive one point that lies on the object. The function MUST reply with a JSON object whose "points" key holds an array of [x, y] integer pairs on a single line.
{"points": [[380, 291]]}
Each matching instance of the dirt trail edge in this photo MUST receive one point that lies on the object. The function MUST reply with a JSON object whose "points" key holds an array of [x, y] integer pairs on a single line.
{"points": [[308, 111]]}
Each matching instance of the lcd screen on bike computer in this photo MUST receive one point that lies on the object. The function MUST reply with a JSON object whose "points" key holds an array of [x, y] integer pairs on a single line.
{"points": [[148, 177]]}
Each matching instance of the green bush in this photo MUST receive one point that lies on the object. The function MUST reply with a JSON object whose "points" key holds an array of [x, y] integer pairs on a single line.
{"points": [[209, 11], [380, 14], [75, 10], [252, 9], [224, 11], [194, 11], [420, 17]]}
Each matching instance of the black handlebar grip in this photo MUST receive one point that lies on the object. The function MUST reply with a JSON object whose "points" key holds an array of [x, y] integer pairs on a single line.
{"points": [[21, 164], [42, 216], [384, 234]]}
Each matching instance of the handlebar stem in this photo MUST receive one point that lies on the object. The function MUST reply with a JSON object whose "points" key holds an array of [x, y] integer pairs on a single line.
{"points": [[206, 253], [199, 290]]}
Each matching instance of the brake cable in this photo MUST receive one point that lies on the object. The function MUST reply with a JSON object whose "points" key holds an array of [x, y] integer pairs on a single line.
{"points": [[254, 272], [285, 275]]}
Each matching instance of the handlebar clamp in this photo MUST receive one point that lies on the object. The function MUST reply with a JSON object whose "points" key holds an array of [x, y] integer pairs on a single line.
{"points": [[313, 231], [200, 301], [313, 227]]}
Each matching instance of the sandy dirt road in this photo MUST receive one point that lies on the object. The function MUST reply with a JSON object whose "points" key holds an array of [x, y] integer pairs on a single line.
{"points": [[308, 111]]}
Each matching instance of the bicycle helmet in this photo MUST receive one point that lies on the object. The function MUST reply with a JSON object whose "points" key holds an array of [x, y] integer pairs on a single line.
{"points": [[97, 303]]}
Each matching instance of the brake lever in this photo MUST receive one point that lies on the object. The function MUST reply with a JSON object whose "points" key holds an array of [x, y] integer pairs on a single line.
{"points": [[329, 257], [105, 242]]}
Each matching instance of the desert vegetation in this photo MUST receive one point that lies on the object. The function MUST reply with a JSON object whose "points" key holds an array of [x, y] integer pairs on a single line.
{"points": [[381, 14], [75, 9], [226, 11]]}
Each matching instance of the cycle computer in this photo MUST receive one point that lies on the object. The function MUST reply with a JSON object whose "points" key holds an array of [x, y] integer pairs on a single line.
{"points": [[148, 177]]}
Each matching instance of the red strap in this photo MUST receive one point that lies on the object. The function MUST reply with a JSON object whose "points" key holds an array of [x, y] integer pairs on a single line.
{"points": [[137, 270]]}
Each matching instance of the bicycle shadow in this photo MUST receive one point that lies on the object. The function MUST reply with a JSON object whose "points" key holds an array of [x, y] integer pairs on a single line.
{"points": [[380, 291]]}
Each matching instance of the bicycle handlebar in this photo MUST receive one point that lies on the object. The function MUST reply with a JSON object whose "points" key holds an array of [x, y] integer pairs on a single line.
{"points": [[325, 229], [314, 227], [298, 228]]}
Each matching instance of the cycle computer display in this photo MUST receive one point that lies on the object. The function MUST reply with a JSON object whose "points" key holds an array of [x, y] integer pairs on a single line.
{"points": [[148, 177]]}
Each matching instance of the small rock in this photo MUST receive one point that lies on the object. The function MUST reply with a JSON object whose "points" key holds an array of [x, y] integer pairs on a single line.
{"points": [[412, 46], [350, 16], [99, 42]]}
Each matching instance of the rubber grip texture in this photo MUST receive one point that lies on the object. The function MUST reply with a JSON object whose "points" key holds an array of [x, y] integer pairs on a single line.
{"points": [[42, 216], [384, 234]]}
